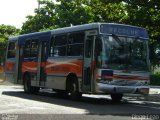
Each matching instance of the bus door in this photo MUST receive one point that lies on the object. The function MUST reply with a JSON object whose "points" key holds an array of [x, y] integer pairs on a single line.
{"points": [[10, 63], [18, 65], [42, 57], [13, 62], [88, 64]]}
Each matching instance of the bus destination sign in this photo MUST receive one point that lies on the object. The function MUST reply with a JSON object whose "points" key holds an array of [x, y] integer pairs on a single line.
{"points": [[123, 30]]}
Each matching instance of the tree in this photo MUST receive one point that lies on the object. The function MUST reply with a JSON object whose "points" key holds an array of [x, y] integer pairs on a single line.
{"points": [[51, 15], [73, 12], [43, 18], [108, 11], [6, 31]]}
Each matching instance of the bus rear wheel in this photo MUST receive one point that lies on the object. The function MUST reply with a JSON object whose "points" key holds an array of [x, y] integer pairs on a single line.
{"points": [[27, 85], [73, 89], [116, 97]]}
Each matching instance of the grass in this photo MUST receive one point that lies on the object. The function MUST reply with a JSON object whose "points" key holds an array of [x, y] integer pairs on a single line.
{"points": [[155, 79]]}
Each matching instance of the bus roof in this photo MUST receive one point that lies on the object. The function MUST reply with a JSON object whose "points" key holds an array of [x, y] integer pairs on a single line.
{"points": [[45, 35], [76, 28], [42, 36], [107, 28]]}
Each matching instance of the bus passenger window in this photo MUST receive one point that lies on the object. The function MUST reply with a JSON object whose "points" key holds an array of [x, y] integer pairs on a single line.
{"points": [[34, 48], [59, 46], [75, 44], [27, 49], [11, 50], [31, 48]]}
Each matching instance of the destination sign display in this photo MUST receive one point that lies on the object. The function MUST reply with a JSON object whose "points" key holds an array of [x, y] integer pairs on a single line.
{"points": [[125, 30]]}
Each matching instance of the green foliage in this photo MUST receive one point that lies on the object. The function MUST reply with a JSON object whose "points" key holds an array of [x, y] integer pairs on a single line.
{"points": [[43, 19], [2, 52], [6, 31], [155, 79], [51, 16], [73, 12], [107, 11]]}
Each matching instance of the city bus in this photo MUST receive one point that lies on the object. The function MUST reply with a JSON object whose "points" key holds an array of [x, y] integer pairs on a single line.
{"points": [[96, 58]]}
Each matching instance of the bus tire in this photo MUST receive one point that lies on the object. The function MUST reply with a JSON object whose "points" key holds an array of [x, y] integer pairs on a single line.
{"points": [[27, 85], [116, 97], [72, 88]]}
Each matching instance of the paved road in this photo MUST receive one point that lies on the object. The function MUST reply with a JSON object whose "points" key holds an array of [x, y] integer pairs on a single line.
{"points": [[16, 104]]}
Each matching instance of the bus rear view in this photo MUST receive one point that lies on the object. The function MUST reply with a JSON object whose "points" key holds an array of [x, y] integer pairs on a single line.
{"points": [[123, 60]]}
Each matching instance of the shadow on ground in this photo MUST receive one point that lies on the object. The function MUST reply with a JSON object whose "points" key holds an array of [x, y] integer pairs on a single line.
{"points": [[93, 106]]}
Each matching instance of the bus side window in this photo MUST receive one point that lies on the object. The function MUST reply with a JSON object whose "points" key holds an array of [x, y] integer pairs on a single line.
{"points": [[59, 45], [31, 48], [11, 50], [75, 44], [34, 48], [27, 49]]}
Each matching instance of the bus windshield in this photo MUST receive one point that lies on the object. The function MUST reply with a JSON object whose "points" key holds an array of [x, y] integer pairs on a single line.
{"points": [[124, 53]]}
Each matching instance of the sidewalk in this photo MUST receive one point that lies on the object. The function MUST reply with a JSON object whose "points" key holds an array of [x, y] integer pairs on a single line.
{"points": [[2, 82], [155, 90]]}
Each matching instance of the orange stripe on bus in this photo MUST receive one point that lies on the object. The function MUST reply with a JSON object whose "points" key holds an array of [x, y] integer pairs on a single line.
{"points": [[10, 66], [64, 67]]}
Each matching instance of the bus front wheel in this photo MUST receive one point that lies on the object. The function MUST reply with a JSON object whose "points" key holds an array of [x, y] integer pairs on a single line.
{"points": [[73, 89], [116, 97]]}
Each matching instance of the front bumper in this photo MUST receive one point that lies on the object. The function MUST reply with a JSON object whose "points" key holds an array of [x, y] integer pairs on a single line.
{"points": [[106, 88]]}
